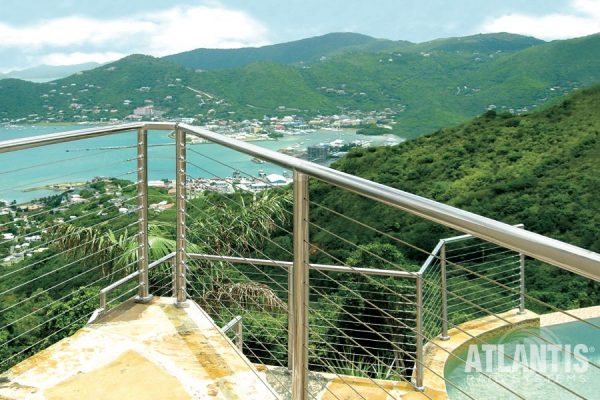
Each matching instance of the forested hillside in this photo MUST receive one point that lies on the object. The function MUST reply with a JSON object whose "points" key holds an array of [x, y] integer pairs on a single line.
{"points": [[541, 169]]}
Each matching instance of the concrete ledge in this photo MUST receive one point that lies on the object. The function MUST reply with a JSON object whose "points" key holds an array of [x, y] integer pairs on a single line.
{"points": [[329, 386], [438, 352], [561, 318]]}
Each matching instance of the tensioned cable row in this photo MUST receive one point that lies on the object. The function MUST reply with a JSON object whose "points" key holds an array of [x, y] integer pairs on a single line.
{"points": [[370, 228], [45, 322], [62, 267], [458, 266]]}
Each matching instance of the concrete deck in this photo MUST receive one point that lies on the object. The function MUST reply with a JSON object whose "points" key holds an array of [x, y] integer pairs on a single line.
{"points": [[562, 318], [326, 386], [139, 351], [157, 351]]}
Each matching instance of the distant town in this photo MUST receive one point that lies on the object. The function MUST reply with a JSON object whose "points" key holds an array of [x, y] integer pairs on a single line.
{"points": [[22, 226]]}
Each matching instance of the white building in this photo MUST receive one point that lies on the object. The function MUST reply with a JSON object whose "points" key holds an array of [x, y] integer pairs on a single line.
{"points": [[278, 180], [8, 236]]}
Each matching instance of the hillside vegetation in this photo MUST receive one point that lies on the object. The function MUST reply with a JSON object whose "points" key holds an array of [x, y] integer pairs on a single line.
{"points": [[541, 169]]}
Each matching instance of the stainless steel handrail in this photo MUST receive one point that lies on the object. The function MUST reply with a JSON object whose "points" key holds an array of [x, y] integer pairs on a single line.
{"points": [[569, 257], [237, 324], [552, 251], [434, 253], [127, 278], [64, 137], [316, 267], [79, 134]]}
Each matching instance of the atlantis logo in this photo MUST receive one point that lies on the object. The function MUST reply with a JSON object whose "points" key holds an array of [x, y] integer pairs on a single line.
{"points": [[533, 350]]}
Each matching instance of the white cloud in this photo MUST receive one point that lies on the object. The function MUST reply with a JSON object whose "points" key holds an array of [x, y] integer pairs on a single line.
{"points": [[69, 31], [183, 29], [79, 58], [583, 19], [163, 32]]}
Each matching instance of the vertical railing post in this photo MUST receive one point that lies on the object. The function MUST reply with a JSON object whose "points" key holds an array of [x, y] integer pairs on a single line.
{"points": [[143, 295], [239, 335], [291, 329], [443, 291], [521, 280], [174, 276], [103, 301], [300, 289], [419, 318], [521, 283], [180, 185]]}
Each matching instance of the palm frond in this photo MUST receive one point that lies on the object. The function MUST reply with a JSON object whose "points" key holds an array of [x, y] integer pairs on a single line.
{"points": [[247, 295]]}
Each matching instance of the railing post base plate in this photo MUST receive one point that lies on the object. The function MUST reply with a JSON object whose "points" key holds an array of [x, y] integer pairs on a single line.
{"points": [[143, 300], [183, 304]]}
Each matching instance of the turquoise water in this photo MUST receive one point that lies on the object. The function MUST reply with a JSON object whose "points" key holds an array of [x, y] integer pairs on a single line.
{"points": [[24, 173], [570, 371]]}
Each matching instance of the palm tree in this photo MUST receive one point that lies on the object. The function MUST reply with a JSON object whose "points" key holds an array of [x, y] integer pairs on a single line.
{"points": [[239, 224], [227, 228], [108, 248]]}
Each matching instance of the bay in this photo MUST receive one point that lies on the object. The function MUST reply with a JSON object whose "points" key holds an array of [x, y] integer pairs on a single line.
{"points": [[24, 174]]}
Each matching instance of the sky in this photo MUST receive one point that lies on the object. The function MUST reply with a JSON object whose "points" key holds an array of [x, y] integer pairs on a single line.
{"points": [[65, 32]]}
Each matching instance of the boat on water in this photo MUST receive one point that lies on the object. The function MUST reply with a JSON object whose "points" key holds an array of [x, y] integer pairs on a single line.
{"points": [[258, 160]]}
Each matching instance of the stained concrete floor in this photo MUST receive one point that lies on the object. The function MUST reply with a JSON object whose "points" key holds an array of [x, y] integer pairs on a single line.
{"points": [[139, 351], [157, 351]]}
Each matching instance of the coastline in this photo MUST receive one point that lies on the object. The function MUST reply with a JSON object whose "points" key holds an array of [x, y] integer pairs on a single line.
{"points": [[248, 138], [58, 187], [118, 157]]}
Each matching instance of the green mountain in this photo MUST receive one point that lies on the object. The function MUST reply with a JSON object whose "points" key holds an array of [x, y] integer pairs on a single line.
{"points": [[103, 92], [21, 98], [492, 42], [311, 50], [299, 51], [540, 169], [425, 90], [420, 89]]}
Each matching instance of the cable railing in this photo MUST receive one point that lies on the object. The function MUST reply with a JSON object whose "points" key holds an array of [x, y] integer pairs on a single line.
{"points": [[313, 299], [441, 277], [63, 245]]}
